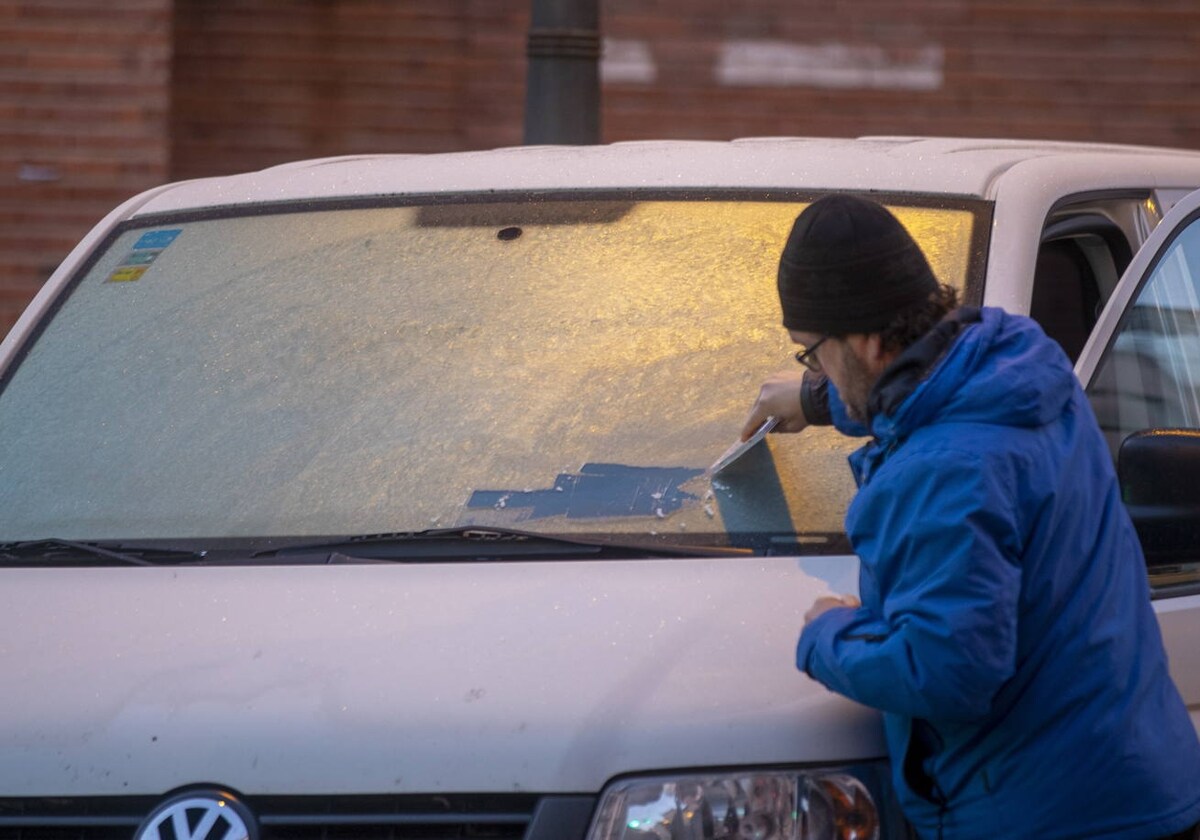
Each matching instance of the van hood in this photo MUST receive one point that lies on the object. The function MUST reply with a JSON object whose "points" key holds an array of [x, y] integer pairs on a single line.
{"points": [[539, 676]]}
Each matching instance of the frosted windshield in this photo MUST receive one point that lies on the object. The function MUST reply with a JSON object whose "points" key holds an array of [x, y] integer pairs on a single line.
{"points": [[557, 366]]}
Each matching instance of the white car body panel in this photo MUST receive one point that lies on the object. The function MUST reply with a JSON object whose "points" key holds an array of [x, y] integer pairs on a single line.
{"points": [[1179, 619], [547, 676]]}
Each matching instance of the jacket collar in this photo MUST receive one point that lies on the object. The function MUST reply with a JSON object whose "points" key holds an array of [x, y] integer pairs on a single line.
{"points": [[916, 362]]}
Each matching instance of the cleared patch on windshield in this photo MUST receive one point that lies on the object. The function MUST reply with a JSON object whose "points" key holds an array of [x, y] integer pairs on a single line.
{"points": [[597, 491]]}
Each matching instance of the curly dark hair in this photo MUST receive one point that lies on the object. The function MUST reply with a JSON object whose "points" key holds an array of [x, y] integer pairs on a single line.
{"points": [[910, 324]]}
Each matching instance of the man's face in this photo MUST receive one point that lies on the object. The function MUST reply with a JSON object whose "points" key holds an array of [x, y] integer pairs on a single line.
{"points": [[841, 360]]}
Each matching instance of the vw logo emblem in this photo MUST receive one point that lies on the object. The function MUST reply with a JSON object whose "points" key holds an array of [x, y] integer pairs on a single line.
{"points": [[199, 815]]}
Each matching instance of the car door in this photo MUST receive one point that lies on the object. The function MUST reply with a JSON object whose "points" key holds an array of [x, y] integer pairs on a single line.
{"points": [[1141, 369]]}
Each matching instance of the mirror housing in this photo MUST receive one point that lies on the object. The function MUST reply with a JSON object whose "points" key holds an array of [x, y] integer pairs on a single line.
{"points": [[1159, 473]]}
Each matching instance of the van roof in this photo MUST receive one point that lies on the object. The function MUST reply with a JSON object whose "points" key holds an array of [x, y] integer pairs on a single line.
{"points": [[960, 167]]}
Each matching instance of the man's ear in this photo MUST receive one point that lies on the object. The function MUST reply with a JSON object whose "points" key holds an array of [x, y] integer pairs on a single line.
{"points": [[874, 346], [873, 354], [877, 355]]}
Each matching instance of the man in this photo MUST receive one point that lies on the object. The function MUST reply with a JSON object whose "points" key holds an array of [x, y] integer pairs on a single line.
{"points": [[1005, 627]]}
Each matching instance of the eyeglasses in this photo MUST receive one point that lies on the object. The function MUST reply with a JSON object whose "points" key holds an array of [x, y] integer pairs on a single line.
{"points": [[806, 357]]}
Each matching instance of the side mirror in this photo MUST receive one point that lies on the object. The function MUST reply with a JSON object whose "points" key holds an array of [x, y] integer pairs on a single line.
{"points": [[1159, 472]]}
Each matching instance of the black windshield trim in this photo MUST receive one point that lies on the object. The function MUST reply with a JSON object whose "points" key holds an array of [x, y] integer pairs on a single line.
{"points": [[316, 549]]}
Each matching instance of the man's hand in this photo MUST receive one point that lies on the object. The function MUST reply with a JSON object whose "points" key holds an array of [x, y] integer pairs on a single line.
{"points": [[829, 602], [778, 397]]}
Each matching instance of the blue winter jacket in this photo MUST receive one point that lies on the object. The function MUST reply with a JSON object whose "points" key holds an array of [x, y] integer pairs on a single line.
{"points": [[1006, 630]]}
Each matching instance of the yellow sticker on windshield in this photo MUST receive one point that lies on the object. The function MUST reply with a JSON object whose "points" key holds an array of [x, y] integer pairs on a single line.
{"points": [[127, 273]]}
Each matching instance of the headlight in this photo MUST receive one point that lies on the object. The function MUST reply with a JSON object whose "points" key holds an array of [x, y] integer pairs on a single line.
{"points": [[771, 805]]}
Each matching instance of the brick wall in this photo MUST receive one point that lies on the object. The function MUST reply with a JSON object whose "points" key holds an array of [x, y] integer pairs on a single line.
{"points": [[84, 91], [258, 82], [1113, 70], [101, 99]]}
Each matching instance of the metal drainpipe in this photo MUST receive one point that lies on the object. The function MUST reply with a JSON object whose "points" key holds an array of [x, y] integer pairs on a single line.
{"points": [[562, 93]]}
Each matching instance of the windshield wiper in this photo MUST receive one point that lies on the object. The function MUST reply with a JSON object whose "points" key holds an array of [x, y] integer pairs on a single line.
{"points": [[476, 542], [53, 550]]}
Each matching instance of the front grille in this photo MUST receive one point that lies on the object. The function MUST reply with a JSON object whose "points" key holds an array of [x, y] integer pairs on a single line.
{"points": [[494, 817], [456, 817]]}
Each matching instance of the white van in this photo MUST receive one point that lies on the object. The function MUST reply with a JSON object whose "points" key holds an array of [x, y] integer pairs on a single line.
{"points": [[367, 497]]}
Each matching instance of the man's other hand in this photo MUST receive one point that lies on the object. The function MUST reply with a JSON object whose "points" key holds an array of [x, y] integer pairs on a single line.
{"points": [[829, 602]]}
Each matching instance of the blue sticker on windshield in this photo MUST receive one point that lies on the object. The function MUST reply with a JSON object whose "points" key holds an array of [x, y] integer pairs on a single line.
{"points": [[145, 251], [599, 490], [156, 239]]}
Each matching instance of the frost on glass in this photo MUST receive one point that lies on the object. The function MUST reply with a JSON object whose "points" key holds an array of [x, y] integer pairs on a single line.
{"points": [[371, 370]]}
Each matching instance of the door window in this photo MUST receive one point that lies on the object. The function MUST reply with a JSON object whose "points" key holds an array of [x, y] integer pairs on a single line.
{"points": [[1085, 248], [1150, 376]]}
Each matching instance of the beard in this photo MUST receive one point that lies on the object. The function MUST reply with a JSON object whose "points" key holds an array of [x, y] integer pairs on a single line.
{"points": [[856, 388]]}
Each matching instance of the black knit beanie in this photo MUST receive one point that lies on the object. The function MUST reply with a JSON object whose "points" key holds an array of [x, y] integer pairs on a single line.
{"points": [[848, 267]]}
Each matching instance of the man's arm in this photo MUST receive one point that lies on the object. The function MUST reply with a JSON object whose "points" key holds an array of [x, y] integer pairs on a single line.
{"points": [[942, 548]]}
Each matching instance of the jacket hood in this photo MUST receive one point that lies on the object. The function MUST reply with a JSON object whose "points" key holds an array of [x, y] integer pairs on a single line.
{"points": [[999, 370]]}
